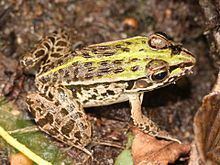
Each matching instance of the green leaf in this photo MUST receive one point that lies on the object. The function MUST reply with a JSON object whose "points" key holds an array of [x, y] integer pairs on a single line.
{"points": [[36, 141]]}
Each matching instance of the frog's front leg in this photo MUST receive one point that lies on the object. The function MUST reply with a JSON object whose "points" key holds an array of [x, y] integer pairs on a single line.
{"points": [[62, 117], [142, 122]]}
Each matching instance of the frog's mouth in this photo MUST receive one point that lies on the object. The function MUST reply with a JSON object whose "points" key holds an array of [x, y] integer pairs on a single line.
{"points": [[185, 67], [175, 72]]}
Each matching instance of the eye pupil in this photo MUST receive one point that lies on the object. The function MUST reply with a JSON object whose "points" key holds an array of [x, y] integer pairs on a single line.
{"points": [[159, 76]]}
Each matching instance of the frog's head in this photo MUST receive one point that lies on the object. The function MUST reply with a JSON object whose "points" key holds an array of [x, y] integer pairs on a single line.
{"points": [[171, 61]]}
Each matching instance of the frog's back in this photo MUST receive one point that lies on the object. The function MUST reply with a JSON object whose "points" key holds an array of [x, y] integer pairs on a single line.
{"points": [[106, 62]]}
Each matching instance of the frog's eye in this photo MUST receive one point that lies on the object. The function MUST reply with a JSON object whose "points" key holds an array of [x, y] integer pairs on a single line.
{"points": [[159, 41], [159, 76], [157, 70]]}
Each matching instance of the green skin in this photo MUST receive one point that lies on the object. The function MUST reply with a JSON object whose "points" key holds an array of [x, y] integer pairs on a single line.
{"points": [[100, 74]]}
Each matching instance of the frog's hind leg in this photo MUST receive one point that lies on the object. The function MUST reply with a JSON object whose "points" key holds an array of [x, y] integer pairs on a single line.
{"points": [[143, 122], [62, 117], [47, 50]]}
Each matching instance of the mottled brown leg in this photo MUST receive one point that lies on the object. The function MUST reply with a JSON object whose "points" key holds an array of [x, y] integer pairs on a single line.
{"points": [[48, 50], [144, 123], [62, 117]]}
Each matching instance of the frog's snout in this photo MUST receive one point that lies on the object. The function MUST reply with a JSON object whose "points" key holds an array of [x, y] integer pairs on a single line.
{"points": [[189, 55]]}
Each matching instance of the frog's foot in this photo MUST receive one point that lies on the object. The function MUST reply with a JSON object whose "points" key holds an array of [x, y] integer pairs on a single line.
{"points": [[163, 135], [62, 117], [143, 122], [149, 127]]}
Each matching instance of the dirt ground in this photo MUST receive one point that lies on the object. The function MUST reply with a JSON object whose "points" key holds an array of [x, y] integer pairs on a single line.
{"points": [[23, 23]]}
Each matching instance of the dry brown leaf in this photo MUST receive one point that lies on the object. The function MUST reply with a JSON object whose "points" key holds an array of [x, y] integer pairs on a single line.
{"points": [[147, 149], [20, 159], [207, 129]]}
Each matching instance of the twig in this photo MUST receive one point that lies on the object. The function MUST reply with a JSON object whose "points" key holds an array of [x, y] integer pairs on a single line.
{"points": [[22, 148]]}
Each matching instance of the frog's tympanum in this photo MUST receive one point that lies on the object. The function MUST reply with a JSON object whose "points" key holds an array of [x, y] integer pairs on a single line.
{"points": [[102, 74]]}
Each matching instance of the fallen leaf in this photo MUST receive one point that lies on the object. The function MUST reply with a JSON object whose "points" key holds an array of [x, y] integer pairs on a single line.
{"points": [[148, 149], [125, 156], [207, 129]]}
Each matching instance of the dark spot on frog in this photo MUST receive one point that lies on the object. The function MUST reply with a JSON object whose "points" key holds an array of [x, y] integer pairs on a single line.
{"points": [[54, 79], [103, 94], [60, 71], [85, 136], [59, 49], [64, 112], [42, 106], [82, 126], [58, 120], [66, 74], [61, 43], [117, 62], [146, 127], [78, 135], [85, 101], [68, 81], [41, 122], [118, 46], [95, 90], [128, 43], [134, 68], [105, 70], [110, 92], [50, 95], [59, 62], [68, 127], [125, 49], [30, 101], [91, 69], [52, 39], [88, 64], [134, 59], [130, 85], [47, 45], [39, 53], [89, 75], [151, 124], [45, 58], [79, 114], [86, 55], [118, 70], [140, 50], [49, 118], [93, 97], [104, 63], [77, 142], [57, 103], [87, 88], [102, 48], [106, 54]]}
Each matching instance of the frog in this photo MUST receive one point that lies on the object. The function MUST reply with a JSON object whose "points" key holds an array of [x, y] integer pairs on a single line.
{"points": [[69, 80]]}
